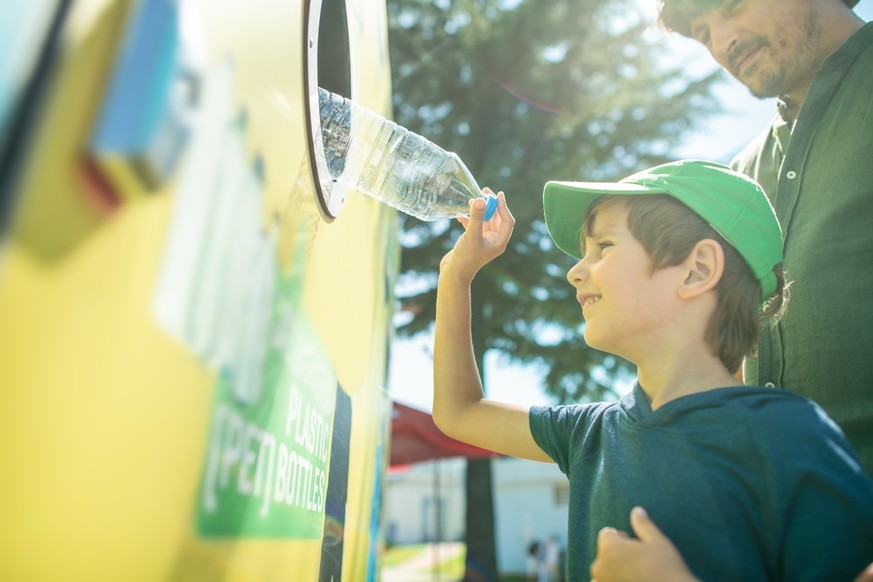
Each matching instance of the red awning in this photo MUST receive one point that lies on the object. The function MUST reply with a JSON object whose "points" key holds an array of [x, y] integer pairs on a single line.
{"points": [[415, 438]]}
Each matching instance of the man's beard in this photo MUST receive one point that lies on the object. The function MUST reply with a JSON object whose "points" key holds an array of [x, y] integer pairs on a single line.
{"points": [[796, 62], [795, 59]]}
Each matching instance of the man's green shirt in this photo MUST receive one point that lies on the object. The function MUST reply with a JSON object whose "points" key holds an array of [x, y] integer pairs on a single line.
{"points": [[818, 174]]}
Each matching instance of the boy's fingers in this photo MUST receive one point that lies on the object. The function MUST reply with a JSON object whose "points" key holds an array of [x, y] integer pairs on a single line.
{"points": [[503, 209], [477, 214], [609, 534], [644, 527]]}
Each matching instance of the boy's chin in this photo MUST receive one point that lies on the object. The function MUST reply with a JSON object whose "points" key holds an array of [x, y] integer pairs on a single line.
{"points": [[595, 341]]}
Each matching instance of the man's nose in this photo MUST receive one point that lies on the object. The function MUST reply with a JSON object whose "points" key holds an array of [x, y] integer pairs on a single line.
{"points": [[724, 38]]}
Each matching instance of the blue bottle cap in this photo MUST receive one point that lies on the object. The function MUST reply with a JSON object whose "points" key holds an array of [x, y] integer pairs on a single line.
{"points": [[490, 206]]}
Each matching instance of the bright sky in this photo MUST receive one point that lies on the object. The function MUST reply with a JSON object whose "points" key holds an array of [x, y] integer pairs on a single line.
{"points": [[410, 378]]}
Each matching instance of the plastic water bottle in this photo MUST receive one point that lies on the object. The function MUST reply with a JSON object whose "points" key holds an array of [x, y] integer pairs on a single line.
{"points": [[365, 151]]}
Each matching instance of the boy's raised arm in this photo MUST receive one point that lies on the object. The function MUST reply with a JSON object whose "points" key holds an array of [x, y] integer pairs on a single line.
{"points": [[459, 406]]}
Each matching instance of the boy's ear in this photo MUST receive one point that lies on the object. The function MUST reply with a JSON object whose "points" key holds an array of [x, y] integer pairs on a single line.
{"points": [[704, 267]]}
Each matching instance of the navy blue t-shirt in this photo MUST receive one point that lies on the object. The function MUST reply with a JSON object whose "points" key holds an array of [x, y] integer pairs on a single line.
{"points": [[749, 483]]}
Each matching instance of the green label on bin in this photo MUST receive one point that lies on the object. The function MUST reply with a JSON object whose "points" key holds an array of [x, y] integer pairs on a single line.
{"points": [[265, 472]]}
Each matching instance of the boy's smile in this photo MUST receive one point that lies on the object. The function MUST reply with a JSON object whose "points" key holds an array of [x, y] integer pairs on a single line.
{"points": [[586, 300]]}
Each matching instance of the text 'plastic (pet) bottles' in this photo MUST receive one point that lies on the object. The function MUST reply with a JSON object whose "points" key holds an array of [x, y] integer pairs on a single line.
{"points": [[365, 151]]}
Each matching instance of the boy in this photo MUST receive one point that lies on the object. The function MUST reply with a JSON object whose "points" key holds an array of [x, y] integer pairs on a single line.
{"points": [[675, 264]]}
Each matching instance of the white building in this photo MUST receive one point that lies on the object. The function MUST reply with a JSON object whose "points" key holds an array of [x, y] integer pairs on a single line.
{"points": [[426, 503]]}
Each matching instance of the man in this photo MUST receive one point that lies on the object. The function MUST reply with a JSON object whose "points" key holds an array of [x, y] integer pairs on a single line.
{"points": [[813, 160]]}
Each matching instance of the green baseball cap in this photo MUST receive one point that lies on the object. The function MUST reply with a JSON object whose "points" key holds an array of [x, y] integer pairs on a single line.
{"points": [[731, 203]]}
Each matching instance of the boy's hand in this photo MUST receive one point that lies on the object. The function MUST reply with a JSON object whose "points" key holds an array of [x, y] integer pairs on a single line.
{"points": [[650, 557], [482, 241]]}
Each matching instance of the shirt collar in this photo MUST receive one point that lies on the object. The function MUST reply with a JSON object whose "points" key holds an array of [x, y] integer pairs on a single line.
{"points": [[787, 109], [636, 404]]}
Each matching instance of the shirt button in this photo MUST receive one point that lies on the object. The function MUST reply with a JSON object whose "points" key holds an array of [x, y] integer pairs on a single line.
{"points": [[770, 385], [790, 174]]}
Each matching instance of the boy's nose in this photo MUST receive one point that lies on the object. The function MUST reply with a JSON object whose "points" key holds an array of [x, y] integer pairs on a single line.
{"points": [[577, 274]]}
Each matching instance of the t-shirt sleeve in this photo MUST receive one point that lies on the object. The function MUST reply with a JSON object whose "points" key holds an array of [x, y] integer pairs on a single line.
{"points": [[828, 504], [560, 429]]}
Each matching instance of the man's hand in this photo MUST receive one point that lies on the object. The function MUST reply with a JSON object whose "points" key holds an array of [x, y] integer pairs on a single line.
{"points": [[649, 557]]}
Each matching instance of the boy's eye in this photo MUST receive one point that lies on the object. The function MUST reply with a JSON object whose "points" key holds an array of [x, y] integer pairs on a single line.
{"points": [[600, 246]]}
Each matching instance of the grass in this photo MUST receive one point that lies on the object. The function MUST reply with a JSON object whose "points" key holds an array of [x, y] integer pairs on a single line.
{"points": [[398, 554], [452, 567], [395, 555]]}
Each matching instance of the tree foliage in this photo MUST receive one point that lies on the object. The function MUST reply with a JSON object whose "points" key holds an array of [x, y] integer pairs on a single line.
{"points": [[527, 91]]}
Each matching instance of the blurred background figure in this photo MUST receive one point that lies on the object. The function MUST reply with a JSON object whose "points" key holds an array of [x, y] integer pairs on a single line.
{"points": [[533, 560], [552, 559]]}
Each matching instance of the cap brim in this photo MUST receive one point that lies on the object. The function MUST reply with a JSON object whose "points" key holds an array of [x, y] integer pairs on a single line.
{"points": [[565, 205]]}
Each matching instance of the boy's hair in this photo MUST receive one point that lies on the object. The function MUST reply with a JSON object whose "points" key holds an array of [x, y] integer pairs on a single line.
{"points": [[676, 15], [668, 230]]}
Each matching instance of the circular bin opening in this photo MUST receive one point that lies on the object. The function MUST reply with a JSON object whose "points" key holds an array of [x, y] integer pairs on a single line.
{"points": [[327, 65]]}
